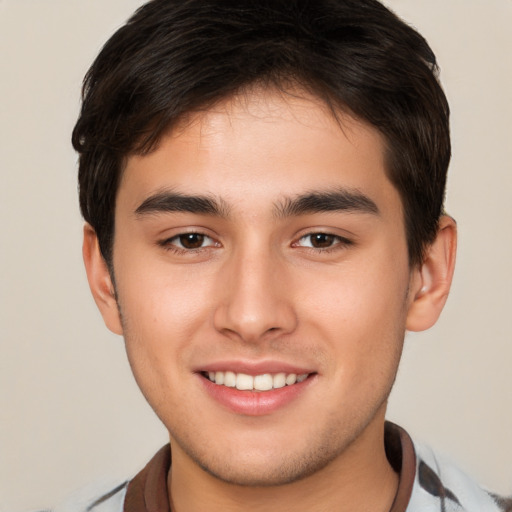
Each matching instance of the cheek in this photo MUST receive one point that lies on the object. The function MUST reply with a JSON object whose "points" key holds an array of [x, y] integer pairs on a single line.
{"points": [[361, 311], [161, 312], [156, 296], [159, 322]]}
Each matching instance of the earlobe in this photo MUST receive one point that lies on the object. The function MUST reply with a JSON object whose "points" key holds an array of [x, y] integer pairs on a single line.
{"points": [[431, 282], [100, 281]]}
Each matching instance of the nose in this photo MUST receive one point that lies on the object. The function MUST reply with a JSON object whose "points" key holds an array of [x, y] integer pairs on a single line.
{"points": [[255, 302]]}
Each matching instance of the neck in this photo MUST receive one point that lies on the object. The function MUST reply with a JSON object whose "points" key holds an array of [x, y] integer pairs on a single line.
{"points": [[359, 479]]}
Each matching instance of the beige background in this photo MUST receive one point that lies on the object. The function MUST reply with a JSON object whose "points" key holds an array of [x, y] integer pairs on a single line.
{"points": [[69, 410]]}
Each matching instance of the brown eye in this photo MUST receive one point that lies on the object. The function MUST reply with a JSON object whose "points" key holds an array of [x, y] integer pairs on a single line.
{"points": [[322, 240], [191, 240]]}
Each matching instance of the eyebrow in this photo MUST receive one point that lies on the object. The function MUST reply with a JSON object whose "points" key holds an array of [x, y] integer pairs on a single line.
{"points": [[345, 200], [341, 200], [169, 202]]}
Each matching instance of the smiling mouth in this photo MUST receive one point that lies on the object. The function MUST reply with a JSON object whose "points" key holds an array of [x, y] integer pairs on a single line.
{"points": [[263, 382]]}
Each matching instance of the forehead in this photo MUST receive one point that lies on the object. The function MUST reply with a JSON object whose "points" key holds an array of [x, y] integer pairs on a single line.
{"points": [[266, 144]]}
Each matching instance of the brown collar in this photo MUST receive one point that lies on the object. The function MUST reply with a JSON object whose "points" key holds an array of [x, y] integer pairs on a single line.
{"points": [[402, 457], [147, 492]]}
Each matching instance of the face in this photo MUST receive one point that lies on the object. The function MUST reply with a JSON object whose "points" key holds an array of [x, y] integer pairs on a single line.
{"points": [[263, 283]]}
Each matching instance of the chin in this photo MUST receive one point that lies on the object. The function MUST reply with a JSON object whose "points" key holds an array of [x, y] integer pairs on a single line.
{"points": [[284, 472], [266, 468]]}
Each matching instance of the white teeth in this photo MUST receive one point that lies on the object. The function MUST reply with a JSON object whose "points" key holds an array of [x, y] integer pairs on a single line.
{"points": [[229, 379], [279, 380], [263, 382], [243, 381], [291, 379]]}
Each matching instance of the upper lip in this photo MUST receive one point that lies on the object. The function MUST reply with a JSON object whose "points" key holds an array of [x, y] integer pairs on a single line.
{"points": [[255, 367]]}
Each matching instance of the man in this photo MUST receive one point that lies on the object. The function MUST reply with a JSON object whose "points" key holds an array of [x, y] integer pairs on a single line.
{"points": [[263, 188]]}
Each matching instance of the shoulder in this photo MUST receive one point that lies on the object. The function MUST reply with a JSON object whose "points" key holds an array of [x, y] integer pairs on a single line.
{"points": [[99, 497], [440, 485]]}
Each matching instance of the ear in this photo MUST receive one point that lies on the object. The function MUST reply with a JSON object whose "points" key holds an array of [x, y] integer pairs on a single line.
{"points": [[100, 281], [430, 283]]}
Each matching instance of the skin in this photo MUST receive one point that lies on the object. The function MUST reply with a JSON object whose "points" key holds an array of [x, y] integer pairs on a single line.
{"points": [[258, 286]]}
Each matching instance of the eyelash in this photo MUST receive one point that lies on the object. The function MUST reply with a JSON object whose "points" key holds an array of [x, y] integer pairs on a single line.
{"points": [[337, 243], [169, 244]]}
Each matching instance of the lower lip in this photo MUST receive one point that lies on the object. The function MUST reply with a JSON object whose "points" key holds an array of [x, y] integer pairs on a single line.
{"points": [[255, 403]]}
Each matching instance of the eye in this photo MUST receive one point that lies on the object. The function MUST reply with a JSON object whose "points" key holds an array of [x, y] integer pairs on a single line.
{"points": [[189, 241], [322, 241]]}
